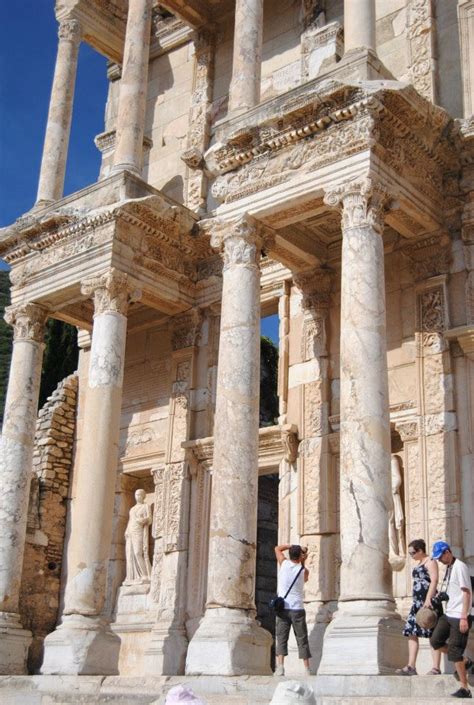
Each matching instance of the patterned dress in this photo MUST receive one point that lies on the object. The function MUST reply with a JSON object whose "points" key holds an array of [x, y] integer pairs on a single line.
{"points": [[421, 585]]}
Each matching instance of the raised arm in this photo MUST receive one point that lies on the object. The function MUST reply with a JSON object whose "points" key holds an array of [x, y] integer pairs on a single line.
{"points": [[280, 556]]}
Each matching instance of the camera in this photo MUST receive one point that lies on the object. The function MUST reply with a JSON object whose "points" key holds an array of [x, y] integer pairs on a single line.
{"points": [[438, 599]]}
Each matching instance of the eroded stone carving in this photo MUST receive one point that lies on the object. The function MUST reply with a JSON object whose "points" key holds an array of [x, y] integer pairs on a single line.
{"points": [[111, 292], [136, 541], [396, 517], [28, 321], [362, 203], [70, 30]]}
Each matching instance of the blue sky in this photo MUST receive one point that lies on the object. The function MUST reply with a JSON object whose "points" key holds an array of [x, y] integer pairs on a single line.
{"points": [[28, 43]]}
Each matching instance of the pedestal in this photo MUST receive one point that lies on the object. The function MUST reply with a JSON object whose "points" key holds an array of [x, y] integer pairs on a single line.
{"points": [[14, 645]]}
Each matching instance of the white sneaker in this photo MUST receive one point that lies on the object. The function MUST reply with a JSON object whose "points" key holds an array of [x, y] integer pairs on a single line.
{"points": [[279, 670]]}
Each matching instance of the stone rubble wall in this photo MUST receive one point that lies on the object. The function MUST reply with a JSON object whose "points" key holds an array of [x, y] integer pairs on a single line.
{"points": [[52, 462]]}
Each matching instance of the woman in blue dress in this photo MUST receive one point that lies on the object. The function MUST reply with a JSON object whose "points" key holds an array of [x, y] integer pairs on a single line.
{"points": [[425, 581]]}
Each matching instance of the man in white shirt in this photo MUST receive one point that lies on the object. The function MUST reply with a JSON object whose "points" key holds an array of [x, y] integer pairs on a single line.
{"points": [[292, 574], [451, 632]]}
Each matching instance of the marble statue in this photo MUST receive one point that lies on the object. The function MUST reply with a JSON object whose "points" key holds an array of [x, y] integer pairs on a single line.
{"points": [[136, 541], [396, 517]]}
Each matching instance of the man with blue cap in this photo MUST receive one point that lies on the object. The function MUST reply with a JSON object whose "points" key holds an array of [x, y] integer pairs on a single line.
{"points": [[451, 632]]}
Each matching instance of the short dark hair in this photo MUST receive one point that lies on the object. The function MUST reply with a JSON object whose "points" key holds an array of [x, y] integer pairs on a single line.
{"points": [[295, 552], [418, 545]]}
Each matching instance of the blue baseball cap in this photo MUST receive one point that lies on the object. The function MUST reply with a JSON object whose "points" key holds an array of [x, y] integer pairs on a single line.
{"points": [[439, 547]]}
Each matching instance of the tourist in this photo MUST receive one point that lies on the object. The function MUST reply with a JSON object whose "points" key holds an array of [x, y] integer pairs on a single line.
{"points": [[450, 634], [425, 580], [292, 570]]}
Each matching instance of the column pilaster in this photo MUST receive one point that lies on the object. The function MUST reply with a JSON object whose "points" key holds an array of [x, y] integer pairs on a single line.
{"points": [[366, 599], [229, 640], [58, 127], [133, 89], [359, 24], [16, 455], [83, 643], [244, 90]]}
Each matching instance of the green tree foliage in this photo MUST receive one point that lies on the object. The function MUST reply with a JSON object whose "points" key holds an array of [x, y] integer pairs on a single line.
{"points": [[268, 382], [60, 355], [5, 340]]}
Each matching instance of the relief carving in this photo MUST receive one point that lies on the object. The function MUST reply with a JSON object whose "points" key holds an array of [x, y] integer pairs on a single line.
{"points": [[111, 292], [432, 319], [421, 31], [137, 542], [396, 517], [28, 322], [70, 30], [361, 202]]}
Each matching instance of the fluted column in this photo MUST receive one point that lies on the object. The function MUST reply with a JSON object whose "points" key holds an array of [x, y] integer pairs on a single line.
{"points": [[16, 454], [82, 644], [58, 127], [133, 88], [359, 24], [244, 90], [366, 599], [229, 640]]}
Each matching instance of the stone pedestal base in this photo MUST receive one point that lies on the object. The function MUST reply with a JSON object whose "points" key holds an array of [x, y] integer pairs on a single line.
{"points": [[360, 64], [133, 625], [231, 643], [366, 642], [166, 653], [14, 644], [81, 646]]}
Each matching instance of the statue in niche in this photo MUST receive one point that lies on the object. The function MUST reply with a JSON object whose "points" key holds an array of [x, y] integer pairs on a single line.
{"points": [[136, 541], [396, 516]]}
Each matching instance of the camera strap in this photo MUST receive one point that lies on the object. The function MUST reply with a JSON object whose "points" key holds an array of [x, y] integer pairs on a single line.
{"points": [[294, 581]]}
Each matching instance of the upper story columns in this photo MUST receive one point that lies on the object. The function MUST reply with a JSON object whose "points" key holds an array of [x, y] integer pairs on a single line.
{"points": [[244, 90], [133, 88], [58, 127], [359, 24]]}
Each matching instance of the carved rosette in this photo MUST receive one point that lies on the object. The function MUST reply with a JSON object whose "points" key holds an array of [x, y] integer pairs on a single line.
{"points": [[28, 322], [239, 242], [112, 292], [362, 203], [70, 31]]}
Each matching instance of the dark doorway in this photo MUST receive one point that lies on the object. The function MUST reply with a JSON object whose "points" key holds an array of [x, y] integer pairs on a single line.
{"points": [[267, 539]]}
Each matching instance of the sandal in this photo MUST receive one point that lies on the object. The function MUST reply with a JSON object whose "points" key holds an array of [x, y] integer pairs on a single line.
{"points": [[406, 671], [434, 672]]}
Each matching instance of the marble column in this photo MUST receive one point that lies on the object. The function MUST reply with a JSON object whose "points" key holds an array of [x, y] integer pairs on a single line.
{"points": [[365, 635], [359, 24], [16, 455], [244, 90], [229, 641], [133, 89], [83, 643], [58, 127]]}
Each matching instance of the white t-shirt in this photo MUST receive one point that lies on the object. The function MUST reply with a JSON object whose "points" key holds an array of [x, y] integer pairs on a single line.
{"points": [[459, 579], [287, 573]]}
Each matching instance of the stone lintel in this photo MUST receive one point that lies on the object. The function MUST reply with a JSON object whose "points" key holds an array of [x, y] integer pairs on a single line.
{"points": [[465, 337]]}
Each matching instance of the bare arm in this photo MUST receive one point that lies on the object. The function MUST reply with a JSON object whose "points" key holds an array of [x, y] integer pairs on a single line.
{"points": [[280, 556], [466, 610], [433, 572], [303, 559]]}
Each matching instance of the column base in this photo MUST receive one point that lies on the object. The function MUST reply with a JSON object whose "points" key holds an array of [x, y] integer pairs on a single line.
{"points": [[229, 642], [14, 645], [81, 646], [364, 638], [166, 653]]}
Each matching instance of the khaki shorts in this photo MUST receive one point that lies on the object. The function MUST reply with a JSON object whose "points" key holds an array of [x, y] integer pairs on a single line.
{"points": [[284, 621]]}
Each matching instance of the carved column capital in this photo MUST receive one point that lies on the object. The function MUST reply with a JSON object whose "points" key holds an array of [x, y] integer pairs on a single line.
{"points": [[240, 241], [70, 30], [315, 286], [361, 202], [185, 329], [28, 322], [112, 292]]}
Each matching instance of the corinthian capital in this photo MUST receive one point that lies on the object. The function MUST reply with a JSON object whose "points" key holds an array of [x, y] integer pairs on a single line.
{"points": [[70, 30], [112, 292], [315, 286], [28, 321], [361, 202], [240, 241]]}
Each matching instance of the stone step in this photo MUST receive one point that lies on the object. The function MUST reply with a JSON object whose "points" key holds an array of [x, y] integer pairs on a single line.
{"points": [[221, 690]]}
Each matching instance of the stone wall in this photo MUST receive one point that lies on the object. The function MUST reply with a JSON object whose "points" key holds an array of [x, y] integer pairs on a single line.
{"points": [[52, 459]]}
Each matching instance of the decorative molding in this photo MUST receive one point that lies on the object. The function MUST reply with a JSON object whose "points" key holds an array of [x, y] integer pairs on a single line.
{"points": [[361, 202], [185, 329], [28, 322], [315, 286], [420, 32], [429, 256], [70, 30], [240, 241]]}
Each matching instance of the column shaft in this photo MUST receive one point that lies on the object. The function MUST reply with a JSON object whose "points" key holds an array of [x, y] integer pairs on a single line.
{"points": [[359, 24], [229, 640], [16, 454], [133, 88], [56, 142], [244, 90]]}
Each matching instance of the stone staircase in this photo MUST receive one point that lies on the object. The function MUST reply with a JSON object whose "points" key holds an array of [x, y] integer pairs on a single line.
{"points": [[221, 690]]}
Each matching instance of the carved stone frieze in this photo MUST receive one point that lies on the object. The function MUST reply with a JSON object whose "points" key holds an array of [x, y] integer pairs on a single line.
{"points": [[315, 286], [432, 318], [361, 202], [429, 256], [28, 322], [169, 517], [421, 30], [111, 291], [185, 329]]}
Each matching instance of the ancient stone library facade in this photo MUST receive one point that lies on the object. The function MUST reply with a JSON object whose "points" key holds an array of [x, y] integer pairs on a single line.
{"points": [[309, 159]]}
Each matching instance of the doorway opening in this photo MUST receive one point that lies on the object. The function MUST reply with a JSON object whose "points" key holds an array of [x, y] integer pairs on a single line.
{"points": [[267, 539]]}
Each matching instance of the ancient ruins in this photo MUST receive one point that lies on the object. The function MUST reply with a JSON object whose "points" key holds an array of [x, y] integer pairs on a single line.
{"points": [[307, 158]]}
